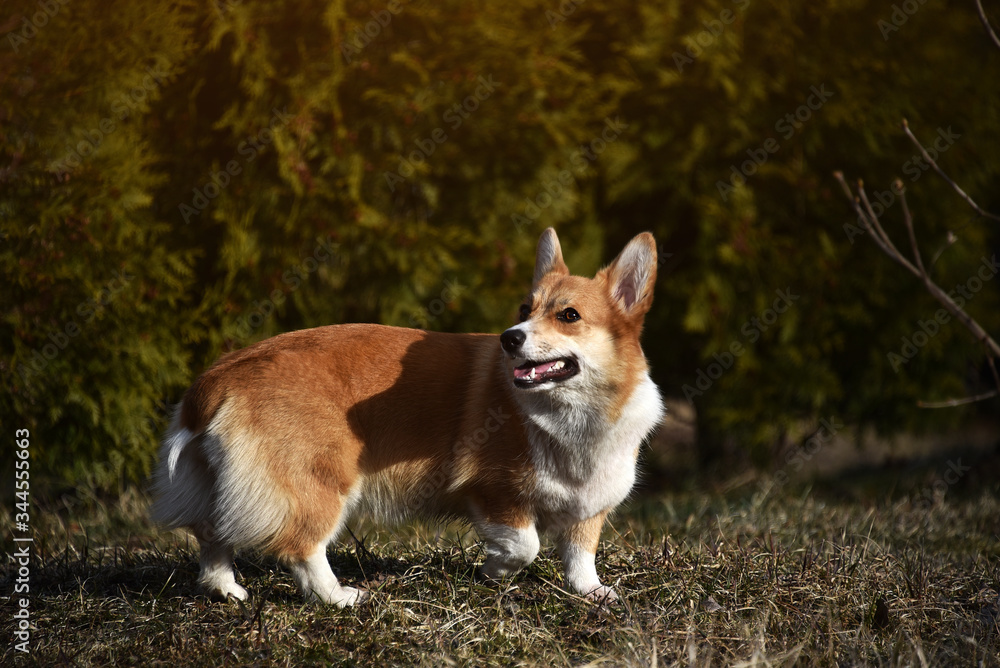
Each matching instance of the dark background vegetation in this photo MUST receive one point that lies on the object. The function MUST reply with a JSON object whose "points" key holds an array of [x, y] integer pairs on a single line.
{"points": [[180, 179], [115, 296]]}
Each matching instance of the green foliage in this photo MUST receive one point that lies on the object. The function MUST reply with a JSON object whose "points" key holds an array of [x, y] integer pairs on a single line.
{"points": [[92, 284], [785, 227], [272, 165]]}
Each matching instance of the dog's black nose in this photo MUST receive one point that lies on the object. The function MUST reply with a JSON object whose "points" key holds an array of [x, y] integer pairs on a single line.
{"points": [[512, 339]]}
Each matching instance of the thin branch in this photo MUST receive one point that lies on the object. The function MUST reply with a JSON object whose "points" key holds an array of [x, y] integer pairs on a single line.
{"points": [[993, 368], [949, 242], [883, 241], [870, 221], [958, 402], [986, 23], [968, 400], [867, 216], [908, 220], [955, 186], [856, 204], [895, 254], [965, 318]]}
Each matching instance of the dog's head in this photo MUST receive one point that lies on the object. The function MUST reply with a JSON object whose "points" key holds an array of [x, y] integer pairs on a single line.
{"points": [[580, 336]]}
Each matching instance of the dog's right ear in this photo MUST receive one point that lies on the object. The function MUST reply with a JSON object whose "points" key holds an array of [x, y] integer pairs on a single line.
{"points": [[548, 257]]}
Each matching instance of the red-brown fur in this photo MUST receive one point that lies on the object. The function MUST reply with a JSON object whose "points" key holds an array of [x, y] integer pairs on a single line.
{"points": [[302, 423], [338, 401]]}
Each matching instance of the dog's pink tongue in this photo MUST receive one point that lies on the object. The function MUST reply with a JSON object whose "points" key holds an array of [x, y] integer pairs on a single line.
{"points": [[525, 371]]}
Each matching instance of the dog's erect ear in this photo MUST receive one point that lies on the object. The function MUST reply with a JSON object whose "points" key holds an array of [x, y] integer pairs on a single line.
{"points": [[549, 257], [632, 275]]}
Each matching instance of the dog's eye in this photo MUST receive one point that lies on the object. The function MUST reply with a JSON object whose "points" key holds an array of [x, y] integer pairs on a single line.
{"points": [[524, 312], [569, 315]]}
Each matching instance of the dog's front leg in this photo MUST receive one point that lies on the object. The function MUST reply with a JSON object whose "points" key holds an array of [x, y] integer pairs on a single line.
{"points": [[578, 548], [508, 548]]}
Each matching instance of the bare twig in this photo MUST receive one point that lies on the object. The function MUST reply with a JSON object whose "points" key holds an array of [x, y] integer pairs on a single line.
{"points": [[986, 23], [958, 402], [993, 369], [965, 318], [866, 214], [955, 186], [908, 220], [968, 400], [949, 242], [885, 243], [870, 221], [873, 219]]}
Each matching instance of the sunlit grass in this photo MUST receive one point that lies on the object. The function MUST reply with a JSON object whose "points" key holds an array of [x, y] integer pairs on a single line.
{"points": [[767, 575]]}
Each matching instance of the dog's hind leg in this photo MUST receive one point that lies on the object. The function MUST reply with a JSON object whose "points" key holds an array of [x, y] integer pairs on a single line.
{"points": [[217, 575], [302, 546]]}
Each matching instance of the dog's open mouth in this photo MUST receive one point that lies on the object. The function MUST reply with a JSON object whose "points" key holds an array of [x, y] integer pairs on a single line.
{"points": [[531, 374]]}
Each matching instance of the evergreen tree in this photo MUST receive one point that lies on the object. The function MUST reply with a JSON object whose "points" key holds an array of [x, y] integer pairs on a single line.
{"points": [[92, 337], [181, 179]]}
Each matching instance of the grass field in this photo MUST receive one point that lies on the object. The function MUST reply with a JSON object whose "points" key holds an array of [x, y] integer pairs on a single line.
{"points": [[860, 569]]}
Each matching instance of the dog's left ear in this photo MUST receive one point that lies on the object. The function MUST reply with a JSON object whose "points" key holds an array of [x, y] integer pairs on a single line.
{"points": [[632, 275]]}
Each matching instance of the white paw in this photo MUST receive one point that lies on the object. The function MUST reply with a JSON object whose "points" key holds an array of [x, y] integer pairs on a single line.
{"points": [[495, 571], [342, 597], [353, 596], [600, 594], [224, 590]]}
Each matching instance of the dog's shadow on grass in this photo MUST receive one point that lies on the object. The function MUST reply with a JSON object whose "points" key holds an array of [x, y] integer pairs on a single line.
{"points": [[138, 574], [112, 572]]}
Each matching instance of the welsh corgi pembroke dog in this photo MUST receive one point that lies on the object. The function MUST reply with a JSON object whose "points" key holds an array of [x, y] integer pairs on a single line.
{"points": [[279, 444]]}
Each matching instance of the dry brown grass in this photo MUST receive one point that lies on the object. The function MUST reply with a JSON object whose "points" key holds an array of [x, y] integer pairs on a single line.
{"points": [[844, 573]]}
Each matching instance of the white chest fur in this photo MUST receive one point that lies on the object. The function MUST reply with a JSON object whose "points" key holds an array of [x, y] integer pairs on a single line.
{"points": [[585, 464]]}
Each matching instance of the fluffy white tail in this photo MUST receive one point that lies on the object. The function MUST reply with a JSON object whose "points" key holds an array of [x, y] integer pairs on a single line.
{"points": [[214, 482], [182, 483]]}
